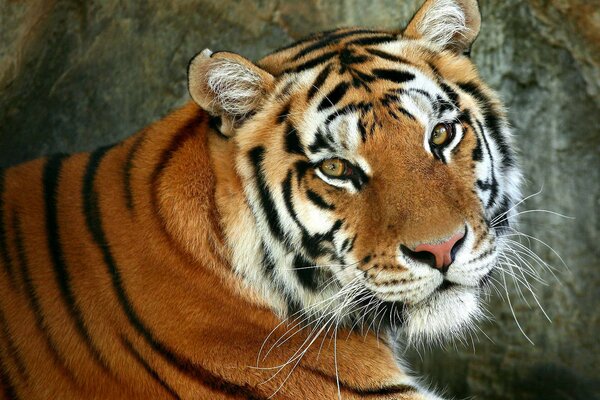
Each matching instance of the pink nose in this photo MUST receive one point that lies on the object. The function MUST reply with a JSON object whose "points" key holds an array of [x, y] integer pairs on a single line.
{"points": [[441, 251]]}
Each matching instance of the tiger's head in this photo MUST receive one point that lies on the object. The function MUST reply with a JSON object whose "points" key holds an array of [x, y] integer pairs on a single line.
{"points": [[369, 172]]}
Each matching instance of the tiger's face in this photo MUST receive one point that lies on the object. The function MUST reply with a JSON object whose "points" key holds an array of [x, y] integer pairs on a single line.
{"points": [[376, 167]]}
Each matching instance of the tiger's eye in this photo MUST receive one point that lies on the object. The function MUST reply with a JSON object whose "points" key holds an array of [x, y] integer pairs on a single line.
{"points": [[441, 134], [333, 167]]}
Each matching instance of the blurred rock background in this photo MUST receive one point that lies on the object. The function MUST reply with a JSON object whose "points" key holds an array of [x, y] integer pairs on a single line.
{"points": [[76, 74]]}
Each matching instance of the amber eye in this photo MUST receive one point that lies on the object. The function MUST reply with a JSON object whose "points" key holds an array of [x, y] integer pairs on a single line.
{"points": [[442, 134], [334, 168]]}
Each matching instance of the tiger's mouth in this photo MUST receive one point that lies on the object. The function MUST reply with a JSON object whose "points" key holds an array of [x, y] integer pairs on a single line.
{"points": [[445, 285], [447, 310]]}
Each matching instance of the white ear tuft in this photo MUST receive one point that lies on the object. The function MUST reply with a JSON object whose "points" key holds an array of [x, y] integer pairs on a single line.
{"points": [[235, 87], [442, 22], [450, 24], [227, 85]]}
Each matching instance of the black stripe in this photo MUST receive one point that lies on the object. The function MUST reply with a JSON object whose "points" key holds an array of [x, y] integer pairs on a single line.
{"points": [[493, 184], [351, 247], [215, 123], [286, 188], [319, 81], [268, 262], [320, 143], [361, 79], [34, 300], [358, 177], [318, 200], [302, 168], [313, 244], [51, 179], [393, 75], [5, 257], [393, 100], [347, 109], [93, 219], [387, 56], [384, 390], [503, 222], [451, 93], [148, 368], [491, 120], [334, 96], [345, 244], [477, 154], [256, 156], [11, 347], [292, 140], [8, 389], [127, 170], [373, 391], [434, 69], [371, 40], [362, 130], [480, 256], [348, 58], [306, 272], [312, 62], [442, 105], [406, 113], [419, 91], [283, 114], [332, 39]]}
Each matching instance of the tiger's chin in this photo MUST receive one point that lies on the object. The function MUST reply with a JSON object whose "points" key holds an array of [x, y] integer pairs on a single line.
{"points": [[444, 315]]}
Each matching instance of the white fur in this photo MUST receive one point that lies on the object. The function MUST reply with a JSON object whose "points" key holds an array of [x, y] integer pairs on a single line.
{"points": [[443, 315], [235, 86], [442, 22]]}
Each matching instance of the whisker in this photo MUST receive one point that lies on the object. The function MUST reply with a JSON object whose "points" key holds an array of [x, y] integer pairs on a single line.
{"points": [[513, 310], [517, 204]]}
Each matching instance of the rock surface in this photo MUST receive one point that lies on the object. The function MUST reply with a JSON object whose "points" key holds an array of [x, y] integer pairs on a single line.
{"points": [[78, 74]]}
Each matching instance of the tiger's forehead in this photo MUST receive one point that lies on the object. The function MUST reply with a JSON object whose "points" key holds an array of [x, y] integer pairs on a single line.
{"points": [[349, 48], [361, 70]]}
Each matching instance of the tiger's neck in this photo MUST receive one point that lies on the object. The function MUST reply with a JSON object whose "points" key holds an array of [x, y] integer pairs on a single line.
{"points": [[215, 245], [197, 225]]}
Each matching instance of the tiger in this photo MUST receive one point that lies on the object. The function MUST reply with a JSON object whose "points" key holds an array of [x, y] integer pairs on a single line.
{"points": [[275, 237]]}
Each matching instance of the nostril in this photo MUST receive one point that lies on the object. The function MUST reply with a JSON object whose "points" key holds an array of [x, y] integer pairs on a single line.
{"points": [[421, 256], [457, 246]]}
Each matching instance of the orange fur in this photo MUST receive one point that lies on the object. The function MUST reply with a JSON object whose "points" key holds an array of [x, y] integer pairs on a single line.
{"points": [[119, 274], [173, 268]]}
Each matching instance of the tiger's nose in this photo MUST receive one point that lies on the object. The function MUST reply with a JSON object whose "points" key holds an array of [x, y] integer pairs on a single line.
{"points": [[438, 255]]}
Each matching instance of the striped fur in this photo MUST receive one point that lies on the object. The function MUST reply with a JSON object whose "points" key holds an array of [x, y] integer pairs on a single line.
{"points": [[208, 256]]}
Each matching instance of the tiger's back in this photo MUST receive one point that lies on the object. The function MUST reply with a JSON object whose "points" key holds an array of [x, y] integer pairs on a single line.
{"points": [[75, 247]]}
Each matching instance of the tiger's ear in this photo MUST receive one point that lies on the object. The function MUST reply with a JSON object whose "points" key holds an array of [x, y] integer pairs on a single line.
{"points": [[451, 24], [228, 86]]}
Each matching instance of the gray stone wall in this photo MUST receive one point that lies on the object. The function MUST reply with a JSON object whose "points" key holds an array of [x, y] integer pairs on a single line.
{"points": [[77, 74]]}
